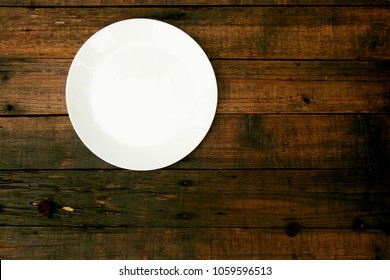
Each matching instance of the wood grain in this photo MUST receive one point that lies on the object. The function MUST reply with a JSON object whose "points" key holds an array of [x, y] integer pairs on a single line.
{"points": [[245, 86], [198, 199], [233, 142], [301, 136], [168, 243], [224, 32], [35, 3]]}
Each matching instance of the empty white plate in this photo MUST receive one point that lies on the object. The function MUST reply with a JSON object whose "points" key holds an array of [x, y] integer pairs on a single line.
{"points": [[141, 94]]}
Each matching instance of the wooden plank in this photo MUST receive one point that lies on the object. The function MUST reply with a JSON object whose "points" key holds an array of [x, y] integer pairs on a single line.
{"points": [[245, 86], [234, 141], [36, 3], [167, 198], [208, 243], [33, 87], [224, 32]]}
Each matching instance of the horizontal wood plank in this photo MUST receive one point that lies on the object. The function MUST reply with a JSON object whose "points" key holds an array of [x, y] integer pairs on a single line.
{"points": [[167, 198], [102, 3], [234, 141], [224, 32], [204, 244], [245, 86]]}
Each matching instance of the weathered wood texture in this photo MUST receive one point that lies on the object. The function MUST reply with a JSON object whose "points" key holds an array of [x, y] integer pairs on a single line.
{"points": [[32, 3], [223, 32], [167, 198], [207, 243], [244, 86], [233, 142], [301, 136]]}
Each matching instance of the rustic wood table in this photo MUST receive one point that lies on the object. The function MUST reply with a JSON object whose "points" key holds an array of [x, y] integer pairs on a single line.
{"points": [[295, 166]]}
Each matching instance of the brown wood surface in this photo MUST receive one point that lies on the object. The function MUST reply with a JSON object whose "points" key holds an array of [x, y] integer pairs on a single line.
{"points": [[244, 86], [186, 2], [295, 166], [198, 198], [234, 142], [223, 32], [188, 243]]}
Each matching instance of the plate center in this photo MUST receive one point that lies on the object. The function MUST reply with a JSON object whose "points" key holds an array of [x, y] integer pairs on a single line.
{"points": [[138, 96]]}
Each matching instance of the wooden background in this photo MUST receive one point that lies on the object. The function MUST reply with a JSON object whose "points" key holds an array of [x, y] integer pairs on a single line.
{"points": [[295, 166]]}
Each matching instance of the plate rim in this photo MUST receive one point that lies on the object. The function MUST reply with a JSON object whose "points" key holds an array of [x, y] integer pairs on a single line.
{"points": [[187, 151]]}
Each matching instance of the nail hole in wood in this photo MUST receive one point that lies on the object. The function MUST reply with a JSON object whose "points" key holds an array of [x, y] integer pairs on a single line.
{"points": [[46, 208], [184, 216], [9, 107], [359, 226], [186, 183], [293, 229], [306, 99]]}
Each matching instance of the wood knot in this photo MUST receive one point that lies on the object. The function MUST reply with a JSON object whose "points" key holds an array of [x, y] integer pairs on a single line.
{"points": [[306, 99], [359, 226], [293, 229], [5, 77], [186, 183], [9, 108], [184, 216], [46, 208]]}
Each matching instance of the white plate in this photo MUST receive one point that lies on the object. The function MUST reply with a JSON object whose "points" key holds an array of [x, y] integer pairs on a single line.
{"points": [[141, 94]]}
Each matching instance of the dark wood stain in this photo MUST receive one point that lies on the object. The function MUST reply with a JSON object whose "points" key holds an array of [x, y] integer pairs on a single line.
{"points": [[46, 208], [379, 254], [375, 134], [375, 37], [5, 77], [255, 136]]}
